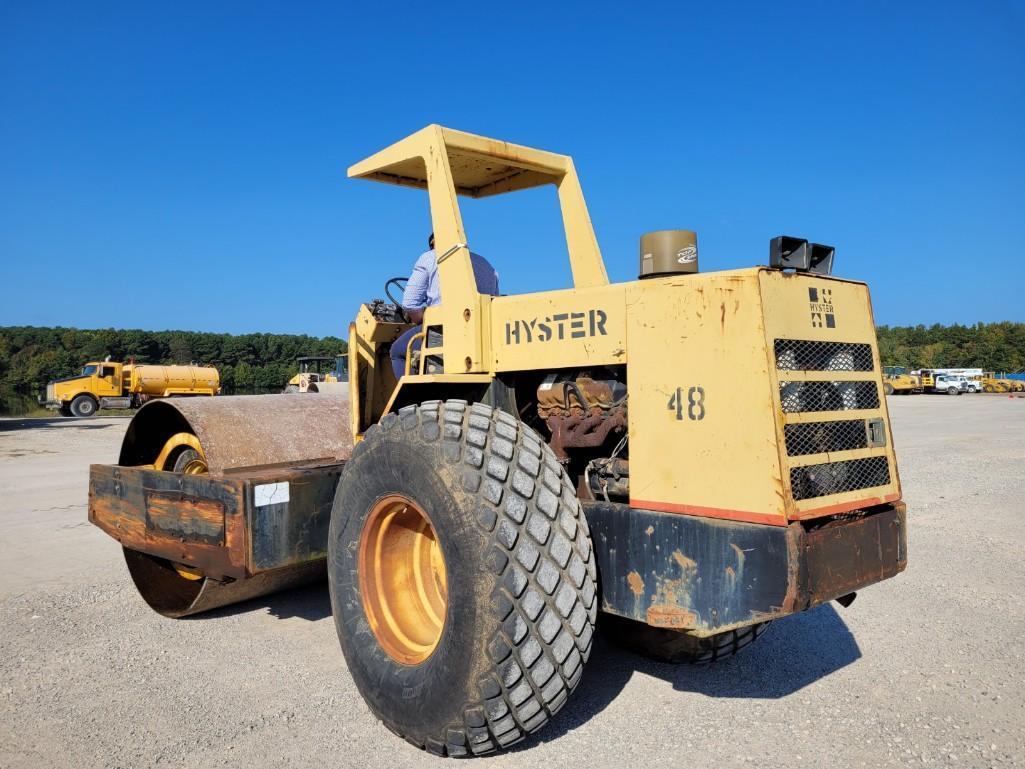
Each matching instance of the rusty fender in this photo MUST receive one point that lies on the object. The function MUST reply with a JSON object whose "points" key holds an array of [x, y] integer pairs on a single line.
{"points": [[706, 575], [246, 535]]}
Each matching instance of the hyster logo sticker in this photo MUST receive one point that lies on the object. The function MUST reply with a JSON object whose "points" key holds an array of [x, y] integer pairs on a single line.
{"points": [[821, 302], [561, 325]]}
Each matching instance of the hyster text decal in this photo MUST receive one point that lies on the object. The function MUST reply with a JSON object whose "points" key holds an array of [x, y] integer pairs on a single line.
{"points": [[561, 325]]}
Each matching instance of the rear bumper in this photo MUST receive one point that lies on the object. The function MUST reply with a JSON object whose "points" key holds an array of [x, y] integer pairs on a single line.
{"points": [[706, 575]]}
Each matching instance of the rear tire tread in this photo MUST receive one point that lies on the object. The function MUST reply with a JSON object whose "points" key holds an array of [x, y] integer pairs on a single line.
{"points": [[675, 647], [544, 566]]}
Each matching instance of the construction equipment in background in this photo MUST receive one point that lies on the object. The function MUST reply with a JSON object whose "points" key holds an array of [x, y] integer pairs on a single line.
{"points": [[972, 384], [897, 380], [111, 385], [696, 454], [315, 376], [951, 384], [978, 380], [1014, 385], [929, 374], [994, 383]]}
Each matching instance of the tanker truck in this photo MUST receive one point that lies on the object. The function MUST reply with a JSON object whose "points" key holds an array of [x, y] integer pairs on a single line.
{"points": [[110, 385]]}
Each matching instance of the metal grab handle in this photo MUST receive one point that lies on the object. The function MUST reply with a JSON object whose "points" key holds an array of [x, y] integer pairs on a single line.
{"points": [[409, 351], [451, 251]]}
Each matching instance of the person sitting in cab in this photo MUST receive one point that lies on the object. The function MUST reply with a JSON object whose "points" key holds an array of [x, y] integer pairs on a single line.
{"points": [[423, 290]]}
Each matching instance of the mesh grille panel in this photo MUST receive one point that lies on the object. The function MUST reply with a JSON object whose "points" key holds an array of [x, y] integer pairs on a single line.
{"points": [[819, 437], [837, 477], [828, 396], [798, 355]]}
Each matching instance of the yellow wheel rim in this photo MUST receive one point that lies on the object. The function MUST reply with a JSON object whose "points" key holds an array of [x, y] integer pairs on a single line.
{"points": [[165, 461], [169, 453], [402, 579], [195, 466], [187, 572]]}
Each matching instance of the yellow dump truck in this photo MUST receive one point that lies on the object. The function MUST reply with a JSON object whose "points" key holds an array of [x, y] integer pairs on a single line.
{"points": [[109, 385]]}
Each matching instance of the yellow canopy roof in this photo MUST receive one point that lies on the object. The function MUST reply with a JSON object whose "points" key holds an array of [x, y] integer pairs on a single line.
{"points": [[480, 166]]}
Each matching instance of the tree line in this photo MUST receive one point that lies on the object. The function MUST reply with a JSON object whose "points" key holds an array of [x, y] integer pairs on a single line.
{"points": [[30, 356], [996, 347]]}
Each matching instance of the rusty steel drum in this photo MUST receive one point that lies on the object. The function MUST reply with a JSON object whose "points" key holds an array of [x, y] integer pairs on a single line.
{"points": [[242, 440], [244, 431]]}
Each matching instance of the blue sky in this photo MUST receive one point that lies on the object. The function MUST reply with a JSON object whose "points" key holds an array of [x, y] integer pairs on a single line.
{"points": [[182, 165]]}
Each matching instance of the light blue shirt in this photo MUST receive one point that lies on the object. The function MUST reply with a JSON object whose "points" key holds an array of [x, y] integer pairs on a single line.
{"points": [[424, 287]]}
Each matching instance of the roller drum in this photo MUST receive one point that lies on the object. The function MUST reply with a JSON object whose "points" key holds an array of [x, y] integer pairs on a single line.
{"points": [[170, 593], [238, 432], [233, 435]]}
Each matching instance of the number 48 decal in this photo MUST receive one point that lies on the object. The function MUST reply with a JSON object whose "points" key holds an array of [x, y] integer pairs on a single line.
{"points": [[693, 400]]}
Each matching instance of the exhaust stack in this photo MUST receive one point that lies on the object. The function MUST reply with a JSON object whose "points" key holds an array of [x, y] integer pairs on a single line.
{"points": [[669, 252]]}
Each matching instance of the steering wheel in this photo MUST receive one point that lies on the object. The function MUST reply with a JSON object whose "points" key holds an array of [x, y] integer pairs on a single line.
{"points": [[400, 286]]}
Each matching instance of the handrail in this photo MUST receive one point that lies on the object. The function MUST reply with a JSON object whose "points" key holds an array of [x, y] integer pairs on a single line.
{"points": [[409, 349]]}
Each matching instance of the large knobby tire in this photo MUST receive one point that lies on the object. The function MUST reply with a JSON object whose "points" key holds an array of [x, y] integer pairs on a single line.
{"points": [[521, 596], [292, 388], [673, 646], [84, 406]]}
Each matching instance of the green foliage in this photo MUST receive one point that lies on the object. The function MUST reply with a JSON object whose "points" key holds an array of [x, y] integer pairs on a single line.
{"points": [[30, 356], [990, 346]]}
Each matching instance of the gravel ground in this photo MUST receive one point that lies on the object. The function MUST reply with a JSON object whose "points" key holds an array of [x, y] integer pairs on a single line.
{"points": [[924, 670]]}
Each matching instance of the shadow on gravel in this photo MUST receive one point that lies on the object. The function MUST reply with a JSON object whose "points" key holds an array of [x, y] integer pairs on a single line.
{"points": [[311, 602], [77, 423], [795, 652]]}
